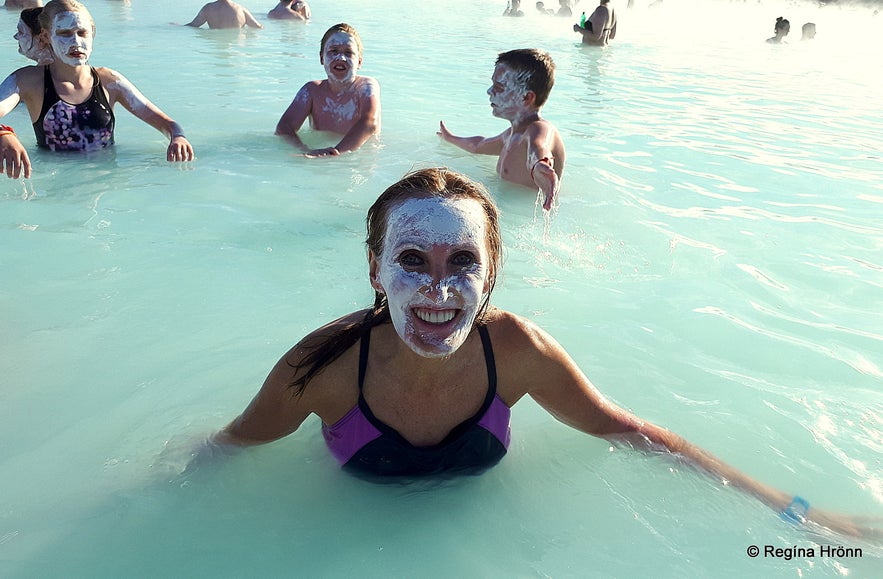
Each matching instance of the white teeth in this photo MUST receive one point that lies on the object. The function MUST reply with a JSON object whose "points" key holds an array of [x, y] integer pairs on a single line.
{"points": [[435, 316]]}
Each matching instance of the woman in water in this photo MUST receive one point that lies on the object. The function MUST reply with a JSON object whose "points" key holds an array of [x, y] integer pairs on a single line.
{"points": [[70, 102], [783, 27], [422, 382]]}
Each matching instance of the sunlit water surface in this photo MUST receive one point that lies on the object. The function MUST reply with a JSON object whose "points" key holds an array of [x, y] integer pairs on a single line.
{"points": [[715, 266]]}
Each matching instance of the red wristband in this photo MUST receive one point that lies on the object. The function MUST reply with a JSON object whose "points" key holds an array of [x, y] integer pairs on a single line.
{"points": [[7, 129]]}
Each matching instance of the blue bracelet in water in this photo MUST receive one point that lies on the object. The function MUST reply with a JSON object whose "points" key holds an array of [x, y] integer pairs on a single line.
{"points": [[795, 513]]}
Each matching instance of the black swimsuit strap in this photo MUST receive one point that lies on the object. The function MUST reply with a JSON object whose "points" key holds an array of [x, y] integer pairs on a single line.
{"points": [[490, 363], [364, 342]]}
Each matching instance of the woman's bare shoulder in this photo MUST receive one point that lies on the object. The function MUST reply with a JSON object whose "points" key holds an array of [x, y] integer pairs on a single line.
{"points": [[516, 332]]}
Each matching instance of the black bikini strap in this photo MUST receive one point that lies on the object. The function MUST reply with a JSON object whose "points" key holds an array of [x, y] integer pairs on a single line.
{"points": [[363, 356], [489, 361]]}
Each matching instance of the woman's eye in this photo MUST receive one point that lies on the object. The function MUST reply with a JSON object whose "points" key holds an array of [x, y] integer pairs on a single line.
{"points": [[463, 259], [410, 260]]}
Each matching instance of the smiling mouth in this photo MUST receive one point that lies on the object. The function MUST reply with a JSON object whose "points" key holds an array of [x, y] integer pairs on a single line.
{"points": [[435, 316]]}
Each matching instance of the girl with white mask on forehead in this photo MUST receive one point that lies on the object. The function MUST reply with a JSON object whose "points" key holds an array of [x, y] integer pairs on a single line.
{"points": [[71, 102], [422, 382]]}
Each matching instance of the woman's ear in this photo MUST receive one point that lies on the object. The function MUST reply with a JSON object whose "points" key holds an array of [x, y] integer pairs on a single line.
{"points": [[374, 272]]}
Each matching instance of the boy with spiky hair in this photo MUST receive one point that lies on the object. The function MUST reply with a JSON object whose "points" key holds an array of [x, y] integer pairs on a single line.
{"points": [[531, 152]]}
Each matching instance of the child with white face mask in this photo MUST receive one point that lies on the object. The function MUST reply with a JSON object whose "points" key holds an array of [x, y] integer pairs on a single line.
{"points": [[531, 151], [344, 103], [71, 102], [30, 40]]}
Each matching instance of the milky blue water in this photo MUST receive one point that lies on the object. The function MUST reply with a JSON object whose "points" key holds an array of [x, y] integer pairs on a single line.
{"points": [[715, 266]]}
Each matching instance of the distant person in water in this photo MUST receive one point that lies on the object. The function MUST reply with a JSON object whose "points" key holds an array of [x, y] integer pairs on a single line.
{"points": [[30, 40], [541, 8], [600, 27], [20, 4], [783, 27], [71, 102], [809, 31], [564, 9], [290, 10], [343, 103], [513, 8], [224, 14], [531, 151]]}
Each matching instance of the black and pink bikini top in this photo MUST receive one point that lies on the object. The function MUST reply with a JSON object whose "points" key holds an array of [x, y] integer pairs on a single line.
{"points": [[361, 442]]}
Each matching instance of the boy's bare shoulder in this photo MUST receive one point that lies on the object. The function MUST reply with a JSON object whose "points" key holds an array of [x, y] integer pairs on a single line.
{"points": [[368, 86]]}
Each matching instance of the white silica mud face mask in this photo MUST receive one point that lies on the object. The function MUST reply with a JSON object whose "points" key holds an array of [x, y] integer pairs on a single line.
{"points": [[507, 92], [435, 271], [25, 39], [71, 37], [340, 57]]}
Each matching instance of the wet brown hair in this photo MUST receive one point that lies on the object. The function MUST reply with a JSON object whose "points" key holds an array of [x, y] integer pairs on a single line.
{"points": [[31, 18], [536, 67], [422, 183]]}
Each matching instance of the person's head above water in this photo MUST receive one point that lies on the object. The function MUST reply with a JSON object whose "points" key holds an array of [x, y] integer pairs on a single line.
{"points": [[340, 52], [30, 42], [782, 25], [70, 29], [435, 249], [809, 31], [341, 29], [534, 69]]}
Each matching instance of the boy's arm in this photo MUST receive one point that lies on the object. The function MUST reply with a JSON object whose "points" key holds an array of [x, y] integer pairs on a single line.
{"points": [[541, 162], [294, 116], [477, 145]]}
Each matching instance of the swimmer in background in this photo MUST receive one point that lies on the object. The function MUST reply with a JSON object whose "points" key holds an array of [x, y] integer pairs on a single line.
{"points": [[541, 8], [513, 8], [224, 14], [344, 103], [20, 4], [564, 9], [30, 40], [290, 10], [531, 152], [69, 101], [783, 27], [423, 381], [809, 31], [600, 27]]}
